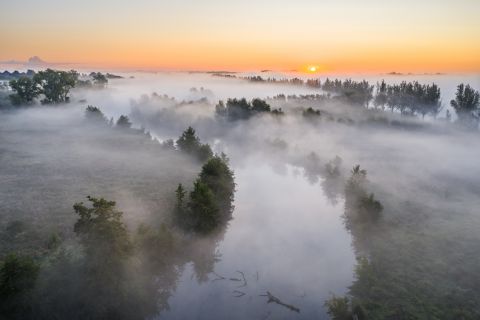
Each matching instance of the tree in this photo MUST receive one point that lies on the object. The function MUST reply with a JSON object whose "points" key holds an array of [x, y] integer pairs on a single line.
{"points": [[205, 215], [361, 207], [123, 122], [95, 115], [180, 213], [381, 95], [26, 90], [104, 238], [466, 105], [259, 105], [189, 143], [338, 308], [431, 100], [17, 280], [220, 179], [210, 203], [99, 79], [55, 85], [241, 109]]}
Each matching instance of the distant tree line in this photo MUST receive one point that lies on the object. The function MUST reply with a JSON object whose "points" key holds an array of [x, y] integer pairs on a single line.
{"points": [[53, 86], [7, 75], [409, 98], [355, 92], [241, 109]]}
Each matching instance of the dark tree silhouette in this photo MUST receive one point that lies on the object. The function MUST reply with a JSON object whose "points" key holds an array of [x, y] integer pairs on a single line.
{"points": [[26, 90], [189, 143], [123, 122], [467, 105]]}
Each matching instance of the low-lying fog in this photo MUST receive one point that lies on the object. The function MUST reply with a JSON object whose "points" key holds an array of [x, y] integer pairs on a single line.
{"points": [[288, 235]]}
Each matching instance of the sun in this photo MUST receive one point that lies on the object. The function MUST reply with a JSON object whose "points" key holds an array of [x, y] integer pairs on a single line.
{"points": [[312, 69]]}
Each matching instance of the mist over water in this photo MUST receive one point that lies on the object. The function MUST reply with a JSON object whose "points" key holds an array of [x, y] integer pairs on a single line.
{"points": [[292, 244]]}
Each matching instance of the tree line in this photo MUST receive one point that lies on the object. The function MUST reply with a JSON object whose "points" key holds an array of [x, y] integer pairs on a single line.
{"points": [[408, 98], [241, 109], [52, 86]]}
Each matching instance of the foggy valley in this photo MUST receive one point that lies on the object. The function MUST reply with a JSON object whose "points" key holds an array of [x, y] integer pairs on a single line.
{"points": [[306, 200]]}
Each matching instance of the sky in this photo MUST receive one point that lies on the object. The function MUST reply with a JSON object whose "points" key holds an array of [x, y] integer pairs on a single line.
{"points": [[333, 36]]}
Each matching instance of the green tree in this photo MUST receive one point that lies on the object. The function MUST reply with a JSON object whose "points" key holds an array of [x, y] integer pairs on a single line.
{"points": [[467, 105], [17, 280], [205, 215], [217, 176], [181, 212], [338, 308], [104, 238], [55, 85], [259, 105], [189, 143], [95, 115], [210, 204], [361, 207], [26, 90]]}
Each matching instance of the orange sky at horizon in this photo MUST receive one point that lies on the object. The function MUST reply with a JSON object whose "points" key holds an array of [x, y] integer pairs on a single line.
{"points": [[336, 36]]}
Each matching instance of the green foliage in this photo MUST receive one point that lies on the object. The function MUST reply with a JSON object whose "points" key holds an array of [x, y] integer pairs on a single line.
{"points": [[160, 246], [55, 85], [369, 209], [17, 279], [103, 236], [220, 179], [53, 241], [361, 208], [26, 90], [189, 143], [210, 203], [259, 105], [338, 308], [204, 213], [180, 212], [467, 105], [241, 109]]}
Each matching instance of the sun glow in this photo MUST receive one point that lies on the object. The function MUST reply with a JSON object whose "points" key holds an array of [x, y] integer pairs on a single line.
{"points": [[312, 69]]}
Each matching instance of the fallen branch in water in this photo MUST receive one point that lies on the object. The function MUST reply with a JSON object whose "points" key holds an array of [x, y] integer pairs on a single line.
{"points": [[238, 294], [272, 298], [244, 279], [218, 277]]}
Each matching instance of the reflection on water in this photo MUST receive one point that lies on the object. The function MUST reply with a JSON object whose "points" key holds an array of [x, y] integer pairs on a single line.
{"points": [[286, 238]]}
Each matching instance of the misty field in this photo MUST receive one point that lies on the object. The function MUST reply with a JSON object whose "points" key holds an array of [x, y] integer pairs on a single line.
{"points": [[239, 196]]}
